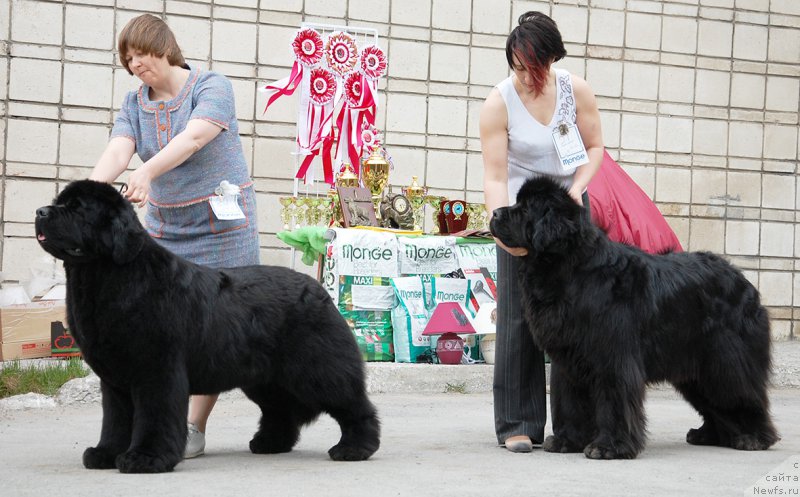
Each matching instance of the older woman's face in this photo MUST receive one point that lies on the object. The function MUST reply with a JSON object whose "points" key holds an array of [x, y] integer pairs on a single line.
{"points": [[147, 67]]}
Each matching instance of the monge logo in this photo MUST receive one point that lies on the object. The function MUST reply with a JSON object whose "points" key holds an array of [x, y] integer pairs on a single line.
{"points": [[569, 160], [416, 253], [352, 253], [478, 250], [442, 296], [410, 294]]}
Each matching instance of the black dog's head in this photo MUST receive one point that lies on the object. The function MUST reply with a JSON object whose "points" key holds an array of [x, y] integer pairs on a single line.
{"points": [[88, 221], [545, 218]]}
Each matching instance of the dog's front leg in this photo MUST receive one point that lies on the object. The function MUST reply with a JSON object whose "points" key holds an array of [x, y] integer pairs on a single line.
{"points": [[571, 411], [619, 399], [115, 435], [159, 425]]}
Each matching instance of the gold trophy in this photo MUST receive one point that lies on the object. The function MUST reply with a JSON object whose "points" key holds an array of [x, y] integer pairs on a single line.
{"points": [[347, 178], [375, 175], [416, 196]]}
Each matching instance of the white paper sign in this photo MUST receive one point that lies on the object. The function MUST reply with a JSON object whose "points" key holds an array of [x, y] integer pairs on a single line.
{"points": [[569, 146], [226, 208]]}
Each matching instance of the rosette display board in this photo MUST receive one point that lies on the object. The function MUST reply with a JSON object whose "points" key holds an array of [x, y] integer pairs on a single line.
{"points": [[337, 70]]}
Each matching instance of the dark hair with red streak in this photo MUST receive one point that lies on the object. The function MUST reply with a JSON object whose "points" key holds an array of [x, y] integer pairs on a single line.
{"points": [[537, 43]]}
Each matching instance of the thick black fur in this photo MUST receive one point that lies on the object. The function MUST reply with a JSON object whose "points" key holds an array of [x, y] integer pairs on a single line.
{"points": [[613, 318], [157, 328]]}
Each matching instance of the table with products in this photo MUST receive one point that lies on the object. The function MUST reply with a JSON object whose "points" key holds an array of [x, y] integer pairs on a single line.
{"points": [[387, 283]]}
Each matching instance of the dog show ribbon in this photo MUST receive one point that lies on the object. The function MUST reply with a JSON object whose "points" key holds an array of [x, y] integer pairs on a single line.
{"points": [[314, 130], [307, 48], [345, 89]]}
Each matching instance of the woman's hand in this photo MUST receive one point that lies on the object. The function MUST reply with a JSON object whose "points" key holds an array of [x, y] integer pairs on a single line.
{"points": [[139, 186], [576, 192], [515, 251]]}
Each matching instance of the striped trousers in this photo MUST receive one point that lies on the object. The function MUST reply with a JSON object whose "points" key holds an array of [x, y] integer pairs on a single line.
{"points": [[520, 403], [520, 400]]}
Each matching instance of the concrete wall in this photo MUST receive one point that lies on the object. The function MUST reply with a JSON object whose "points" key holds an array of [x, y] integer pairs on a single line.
{"points": [[699, 101]]}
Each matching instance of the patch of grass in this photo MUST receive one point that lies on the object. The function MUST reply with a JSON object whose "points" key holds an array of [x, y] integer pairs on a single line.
{"points": [[16, 379], [456, 387]]}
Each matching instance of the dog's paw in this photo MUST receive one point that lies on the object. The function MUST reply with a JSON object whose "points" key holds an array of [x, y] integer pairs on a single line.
{"points": [[342, 452], [747, 441], [597, 450], [559, 445], [267, 445], [702, 436], [137, 462], [98, 458]]}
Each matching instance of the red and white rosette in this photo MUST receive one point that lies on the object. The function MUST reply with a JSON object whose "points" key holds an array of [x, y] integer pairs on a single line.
{"points": [[371, 137], [357, 112], [353, 89], [314, 130], [308, 50], [341, 52], [322, 86], [373, 62], [307, 47]]}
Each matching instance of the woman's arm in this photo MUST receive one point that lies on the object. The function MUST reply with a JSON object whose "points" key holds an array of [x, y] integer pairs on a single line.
{"points": [[588, 121], [494, 148], [114, 160], [197, 134]]}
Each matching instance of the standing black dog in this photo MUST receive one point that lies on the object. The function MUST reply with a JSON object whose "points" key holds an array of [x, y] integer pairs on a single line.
{"points": [[157, 328], [613, 318]]}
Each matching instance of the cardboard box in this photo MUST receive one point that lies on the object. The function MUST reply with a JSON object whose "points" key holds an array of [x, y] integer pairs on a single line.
{"points": [[25, 350], [25, 327]]}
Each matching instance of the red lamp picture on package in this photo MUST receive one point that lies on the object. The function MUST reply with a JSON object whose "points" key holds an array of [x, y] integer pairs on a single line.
{"points": [[449, 320]]}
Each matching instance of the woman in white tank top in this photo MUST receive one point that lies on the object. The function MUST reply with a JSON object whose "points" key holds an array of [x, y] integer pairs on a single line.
{"points": [[516, 125]]}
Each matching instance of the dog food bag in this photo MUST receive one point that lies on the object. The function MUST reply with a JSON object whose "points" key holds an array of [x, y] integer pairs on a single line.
{"points": [[373, 333], [475, 254], [330, 274], [356, 273], [366, 303], [478, 261], [409, 317], [427, 255], [448, 290], [365, 252]]}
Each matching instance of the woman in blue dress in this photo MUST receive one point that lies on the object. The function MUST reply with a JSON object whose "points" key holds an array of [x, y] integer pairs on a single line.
{"points": [[194, 179]]}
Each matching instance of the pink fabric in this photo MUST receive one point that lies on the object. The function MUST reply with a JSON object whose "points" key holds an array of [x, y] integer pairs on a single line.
{"points": [[625, 212]]}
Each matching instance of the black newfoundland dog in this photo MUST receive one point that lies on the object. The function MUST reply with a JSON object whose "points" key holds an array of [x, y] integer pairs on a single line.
{"points": [[157, 328], [613, 318]]}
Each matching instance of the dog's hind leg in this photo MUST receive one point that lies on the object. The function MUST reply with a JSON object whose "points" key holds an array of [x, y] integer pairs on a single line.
{"points": [[572, 413], [708, 433], [115, 436], [361, 430], [159, 431], [282, 416]]}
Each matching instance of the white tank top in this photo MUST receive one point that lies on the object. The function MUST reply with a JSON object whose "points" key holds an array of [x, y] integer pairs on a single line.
{"points": [[531, 151]]}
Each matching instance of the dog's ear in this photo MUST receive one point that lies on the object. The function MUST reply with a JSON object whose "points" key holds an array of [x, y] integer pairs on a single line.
{"points": [[554, 231], [126, 239]]}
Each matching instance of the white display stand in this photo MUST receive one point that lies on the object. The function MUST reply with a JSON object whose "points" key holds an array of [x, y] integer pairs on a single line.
{"points": [[363, 37]]}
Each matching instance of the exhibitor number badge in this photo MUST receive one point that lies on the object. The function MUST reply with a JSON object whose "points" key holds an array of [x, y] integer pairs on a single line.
{"points": [[569, 146]]}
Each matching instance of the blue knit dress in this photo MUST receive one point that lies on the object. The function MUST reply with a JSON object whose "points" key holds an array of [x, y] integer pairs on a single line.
{"points": [[179, 215]]}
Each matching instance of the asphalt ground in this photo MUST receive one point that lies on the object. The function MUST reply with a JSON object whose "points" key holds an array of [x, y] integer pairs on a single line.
{"points": [[437, 444]]}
